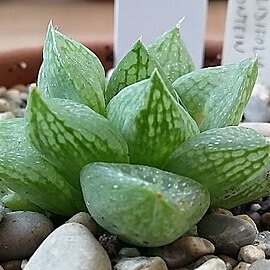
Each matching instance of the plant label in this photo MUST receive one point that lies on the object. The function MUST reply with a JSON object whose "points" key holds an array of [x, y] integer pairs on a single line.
{"points": [[150, 18], [247, 34]]}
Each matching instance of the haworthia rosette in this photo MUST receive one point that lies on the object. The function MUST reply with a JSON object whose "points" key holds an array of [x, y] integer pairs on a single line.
{"points": [[71, 135], [216, 97], [136, 66], [228, 161], [144, 206], [151, 120], [25, 171], [172, 55], [71, 71]]}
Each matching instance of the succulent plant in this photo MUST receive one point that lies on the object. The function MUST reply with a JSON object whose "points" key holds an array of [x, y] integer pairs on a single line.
{"points": [[146, 152]]}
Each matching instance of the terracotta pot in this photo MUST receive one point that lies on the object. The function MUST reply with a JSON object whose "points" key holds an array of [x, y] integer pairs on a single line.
{"points": [[21, 66]]}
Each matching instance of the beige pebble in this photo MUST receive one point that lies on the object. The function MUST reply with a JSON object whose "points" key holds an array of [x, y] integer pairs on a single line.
{"points": [[20, 87], [136, 263], [13, 94], [1, 268], [242, 266], [4, 105], [191, 248], [250, 254], [86, 220], [6, 116], [3, 91]]}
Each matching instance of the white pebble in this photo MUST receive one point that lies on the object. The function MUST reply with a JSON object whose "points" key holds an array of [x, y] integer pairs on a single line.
{"points": [[250, 253], [6, 116], [213, 264], [242, 266]]}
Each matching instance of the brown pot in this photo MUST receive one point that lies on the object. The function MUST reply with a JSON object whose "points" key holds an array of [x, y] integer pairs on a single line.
{"points": [[21, 66]]}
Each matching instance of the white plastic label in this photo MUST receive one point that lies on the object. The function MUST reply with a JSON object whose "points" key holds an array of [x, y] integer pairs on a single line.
{"points": [[150, 18], [247, 34]]}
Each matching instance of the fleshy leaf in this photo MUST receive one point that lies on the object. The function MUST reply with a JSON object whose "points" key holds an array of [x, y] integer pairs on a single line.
{"points": [[172, 55], [151, 121], [70, 135], [142, 205], [71, 71], [231, 162], [16, 202], [136, 66], [25, 171], [216, 97]]}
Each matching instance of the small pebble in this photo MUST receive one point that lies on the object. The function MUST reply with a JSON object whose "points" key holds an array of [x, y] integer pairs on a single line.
{"points": [[229, 261], [255, 207], [86, 220], [14, 95], [184, 251], [20, 87], [242, 266], [263, 241], [21, 233], [262, 264], [1, 268], [202, 260], [255, 216], [24, 262], [213, 264], [227, 233], [4, 105], [3, 91], [265, 219], [250, 254], [12, 265], [221, 211], [136, 263], [6, 116], [129, 252], [70, 246]]}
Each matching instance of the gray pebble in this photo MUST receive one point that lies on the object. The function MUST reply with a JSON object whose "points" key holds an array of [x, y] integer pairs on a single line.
{"points": [[1, 268], [21, 233], [86, 220], [136, 263], [242, 266], [255, 207], [129, 252], [250, 254], [213, 264], [3, 91], [262, 264], [263, 241], [70, 246], [184, 251], [227, 233]]}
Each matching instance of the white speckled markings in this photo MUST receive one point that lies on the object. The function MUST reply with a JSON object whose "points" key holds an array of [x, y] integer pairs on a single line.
{"points": [[151, 120], [232, 162], [71, 135]]}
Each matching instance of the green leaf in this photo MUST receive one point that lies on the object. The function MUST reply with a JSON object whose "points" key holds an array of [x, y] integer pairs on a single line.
{"points": [[16, 202], [216, 97], [142, 205], [70, 135], [71, 71], [136, 66], [171, 53], [230, 162], [151, 121], [26, 172]]}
